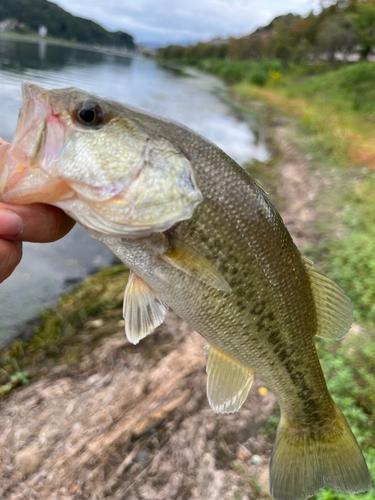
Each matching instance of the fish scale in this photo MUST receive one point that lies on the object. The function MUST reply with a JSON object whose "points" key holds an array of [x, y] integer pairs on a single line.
{"points": [[240, 322]]}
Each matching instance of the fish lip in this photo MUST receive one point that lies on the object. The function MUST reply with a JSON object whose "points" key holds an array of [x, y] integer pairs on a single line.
{"points": [[4, 168], [29, 138], [30, 90]]}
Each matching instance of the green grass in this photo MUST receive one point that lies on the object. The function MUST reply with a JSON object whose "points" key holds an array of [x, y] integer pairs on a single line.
{"points": [[349, 367], [350, 259], [349, 89], [254, 72], [336, 106]]}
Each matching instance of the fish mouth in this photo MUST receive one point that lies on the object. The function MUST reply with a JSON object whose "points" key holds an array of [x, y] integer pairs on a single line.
{"points": [[22, 177], [30, 135]]}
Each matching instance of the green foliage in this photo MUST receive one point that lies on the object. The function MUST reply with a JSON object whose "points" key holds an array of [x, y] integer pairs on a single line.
{"points": [[350, 260], [255, 72], [60, 23], [237, 467], [349, 368], [364, 26], [18, 378], [349, 88], [335, 105]]}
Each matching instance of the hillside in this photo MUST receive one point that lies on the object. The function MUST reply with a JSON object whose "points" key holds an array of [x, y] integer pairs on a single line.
{"points": [[60, 24], [337, 32]]}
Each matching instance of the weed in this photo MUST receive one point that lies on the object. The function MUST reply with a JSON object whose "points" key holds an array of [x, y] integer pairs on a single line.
{"points": [[63, 335]]}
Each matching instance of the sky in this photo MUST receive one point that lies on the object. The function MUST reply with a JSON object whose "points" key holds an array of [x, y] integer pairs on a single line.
{"points": [[163, 22]]}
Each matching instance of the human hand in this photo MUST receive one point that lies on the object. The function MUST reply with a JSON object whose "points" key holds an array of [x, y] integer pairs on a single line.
{"points": [[36, 222]]}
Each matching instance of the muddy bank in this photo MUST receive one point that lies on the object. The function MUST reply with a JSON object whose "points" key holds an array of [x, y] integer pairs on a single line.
{"points": [[130, 422], [104, 419]]}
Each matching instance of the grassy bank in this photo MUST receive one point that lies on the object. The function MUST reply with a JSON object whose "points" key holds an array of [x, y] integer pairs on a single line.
{"points": [[338, 107], [332, 102]]}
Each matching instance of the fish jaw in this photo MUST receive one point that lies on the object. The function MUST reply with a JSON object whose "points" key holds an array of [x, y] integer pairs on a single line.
{"points": [[38, 140]]}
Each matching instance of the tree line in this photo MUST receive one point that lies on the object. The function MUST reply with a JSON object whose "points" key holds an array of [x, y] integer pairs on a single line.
{"points": [[342, 28]]}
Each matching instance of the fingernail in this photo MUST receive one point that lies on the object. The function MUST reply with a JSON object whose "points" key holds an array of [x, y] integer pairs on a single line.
{"points": [[11, 224]]}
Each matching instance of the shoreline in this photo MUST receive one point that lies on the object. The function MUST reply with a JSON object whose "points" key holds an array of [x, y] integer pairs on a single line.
{"points": [[66, 43]]}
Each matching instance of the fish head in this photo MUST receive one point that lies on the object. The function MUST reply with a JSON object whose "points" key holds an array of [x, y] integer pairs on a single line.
{"points": [[108, 166]]}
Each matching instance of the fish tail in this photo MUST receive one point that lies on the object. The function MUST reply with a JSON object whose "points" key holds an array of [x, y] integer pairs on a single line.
{"points": [[302, 462]]}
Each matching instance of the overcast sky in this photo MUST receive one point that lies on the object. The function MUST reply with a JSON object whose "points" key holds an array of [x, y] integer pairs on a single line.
{"points": [[161, 22]]}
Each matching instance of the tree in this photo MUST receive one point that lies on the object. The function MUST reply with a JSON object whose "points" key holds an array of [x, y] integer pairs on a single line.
{"points": [[364, 27], [335, 35]]}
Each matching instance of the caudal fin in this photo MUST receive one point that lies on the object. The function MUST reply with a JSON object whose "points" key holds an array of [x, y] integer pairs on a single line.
{"points": [[301, 464]]}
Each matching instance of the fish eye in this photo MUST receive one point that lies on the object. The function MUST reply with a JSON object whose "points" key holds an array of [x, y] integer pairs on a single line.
{"points": [[89, 113]]}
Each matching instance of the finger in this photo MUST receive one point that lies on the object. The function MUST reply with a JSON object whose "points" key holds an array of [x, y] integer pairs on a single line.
{"points": [[40, 223], [10, 256]]}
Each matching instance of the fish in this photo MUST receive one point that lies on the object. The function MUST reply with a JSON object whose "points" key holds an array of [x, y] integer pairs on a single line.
{"points": [[201, 237]]}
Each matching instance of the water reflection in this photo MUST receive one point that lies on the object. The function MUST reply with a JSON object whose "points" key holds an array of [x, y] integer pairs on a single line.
{"points": [[20, 56], [42, 50]]}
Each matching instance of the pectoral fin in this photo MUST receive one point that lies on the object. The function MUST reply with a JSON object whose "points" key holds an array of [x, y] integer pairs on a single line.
{"points": [[334, 309], [187, 259], [143, 310], [228, 383]]}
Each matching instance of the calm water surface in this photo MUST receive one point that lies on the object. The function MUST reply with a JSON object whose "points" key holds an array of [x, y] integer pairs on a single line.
{"points": [[194, 100]]}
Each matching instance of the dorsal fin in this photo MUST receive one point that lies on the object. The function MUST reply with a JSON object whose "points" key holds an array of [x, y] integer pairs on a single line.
{"points": [[228, 383], [334, 309], [143, 310], [187, 259]]}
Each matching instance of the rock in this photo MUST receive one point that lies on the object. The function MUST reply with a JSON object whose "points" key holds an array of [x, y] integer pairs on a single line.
{"points": [[29, 459]]}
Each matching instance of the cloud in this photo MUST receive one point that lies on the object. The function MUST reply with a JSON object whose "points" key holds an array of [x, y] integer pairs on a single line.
{"points": [[177, 21]]}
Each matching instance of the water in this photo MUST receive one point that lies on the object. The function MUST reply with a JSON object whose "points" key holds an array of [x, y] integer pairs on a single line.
{"points": [[194, 100]]}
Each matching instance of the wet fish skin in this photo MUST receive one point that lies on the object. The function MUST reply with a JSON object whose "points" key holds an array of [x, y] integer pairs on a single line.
{"points": [[260, 318]]}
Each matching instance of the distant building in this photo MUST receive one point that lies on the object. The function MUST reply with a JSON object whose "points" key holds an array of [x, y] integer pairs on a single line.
{"points": [[8, 24], [43, 31]]}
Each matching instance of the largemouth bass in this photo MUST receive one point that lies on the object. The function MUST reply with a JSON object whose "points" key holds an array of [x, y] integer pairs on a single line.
{"points": [[199, 236]]}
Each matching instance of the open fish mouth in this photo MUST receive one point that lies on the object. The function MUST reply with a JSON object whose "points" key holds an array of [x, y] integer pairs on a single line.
{"points": [[22, 179]]}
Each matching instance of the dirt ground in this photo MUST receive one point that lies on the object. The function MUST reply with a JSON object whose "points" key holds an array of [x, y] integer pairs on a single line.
{"points": [[133, 422]]}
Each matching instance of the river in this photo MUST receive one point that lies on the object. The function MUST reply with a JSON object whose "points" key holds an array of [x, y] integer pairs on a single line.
{"points": [[195, 100]]}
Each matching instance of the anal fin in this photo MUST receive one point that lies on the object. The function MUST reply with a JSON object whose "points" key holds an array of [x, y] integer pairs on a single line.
{"points": [[333, 308], [228, 383], [143, 310], [189, 260]]}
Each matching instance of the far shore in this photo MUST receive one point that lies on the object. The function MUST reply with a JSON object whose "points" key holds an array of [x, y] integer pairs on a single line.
{"points": [[34, 38]]}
